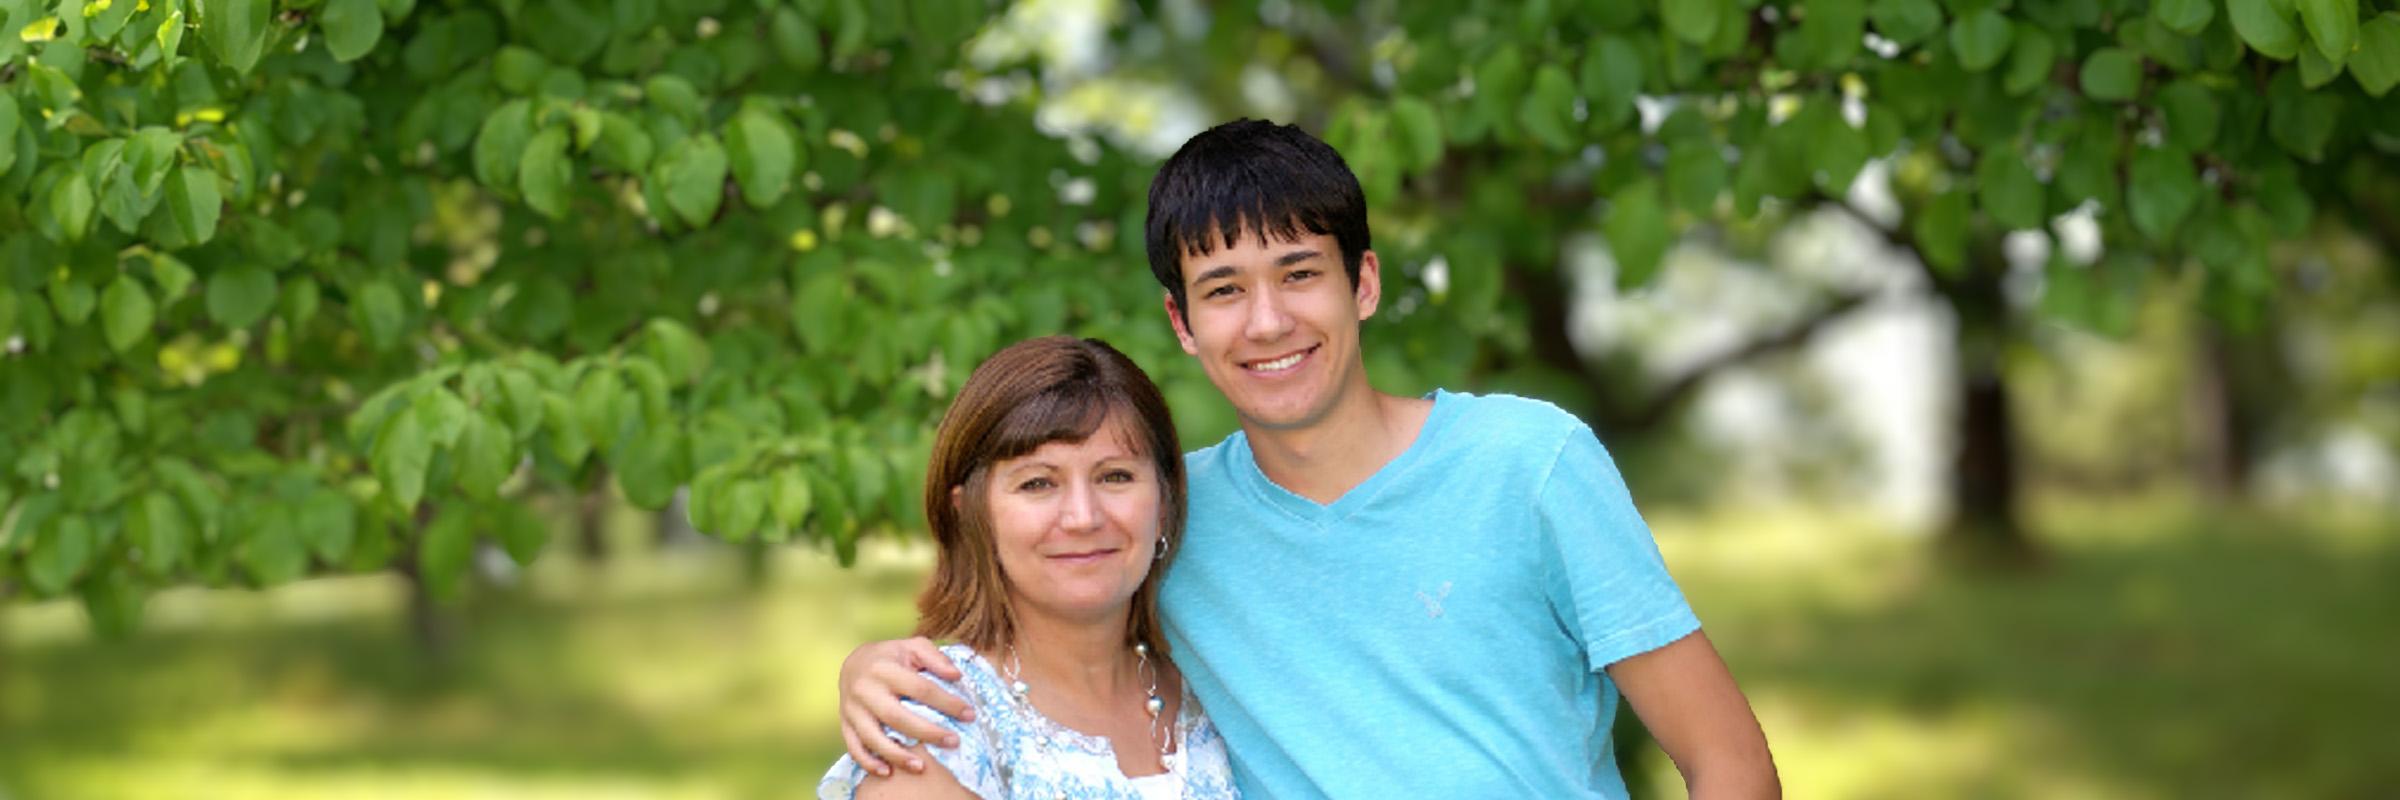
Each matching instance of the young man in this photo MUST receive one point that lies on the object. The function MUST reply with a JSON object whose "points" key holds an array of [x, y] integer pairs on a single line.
{"points": [[1439, 596]]}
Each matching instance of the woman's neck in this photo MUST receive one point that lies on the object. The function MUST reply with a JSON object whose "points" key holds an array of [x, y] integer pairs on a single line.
{"points": [[1091, 659]]}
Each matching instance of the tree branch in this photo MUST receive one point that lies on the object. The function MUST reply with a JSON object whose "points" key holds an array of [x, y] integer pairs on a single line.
{"points": [[1656, 409]]}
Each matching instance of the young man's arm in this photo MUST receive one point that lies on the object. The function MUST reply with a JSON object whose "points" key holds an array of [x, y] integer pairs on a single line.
{"points": [[874, 679], [1687, 698]]}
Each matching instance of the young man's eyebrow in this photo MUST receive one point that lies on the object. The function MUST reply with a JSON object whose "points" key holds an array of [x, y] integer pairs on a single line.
{"points": [[1213, 273], [1296, 256]]}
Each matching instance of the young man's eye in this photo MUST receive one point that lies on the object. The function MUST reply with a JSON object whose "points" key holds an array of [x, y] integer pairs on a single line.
{"points": [[1220, 290], [1299, 275]]}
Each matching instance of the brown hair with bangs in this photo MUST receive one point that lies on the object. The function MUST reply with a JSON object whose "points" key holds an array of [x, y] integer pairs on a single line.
{"points": [[1034, 392]]}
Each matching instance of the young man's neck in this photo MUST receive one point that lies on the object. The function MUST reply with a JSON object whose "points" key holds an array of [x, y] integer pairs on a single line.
{"points": [[1325, 460]]}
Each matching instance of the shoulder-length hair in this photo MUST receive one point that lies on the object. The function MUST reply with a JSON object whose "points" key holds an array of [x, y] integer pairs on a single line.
{"points": [[1034, 392]]}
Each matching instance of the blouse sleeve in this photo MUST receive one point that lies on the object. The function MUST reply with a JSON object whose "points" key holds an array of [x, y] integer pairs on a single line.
{"points": [[975, 762]]}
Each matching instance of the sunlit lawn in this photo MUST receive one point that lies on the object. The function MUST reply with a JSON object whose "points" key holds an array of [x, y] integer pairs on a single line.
{"points": [[2147, 659]]}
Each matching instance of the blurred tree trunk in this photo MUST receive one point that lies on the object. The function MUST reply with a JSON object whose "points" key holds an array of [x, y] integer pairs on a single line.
{"points": [[591, 523], [427, 624], [2237, 382], [1985, 491]]}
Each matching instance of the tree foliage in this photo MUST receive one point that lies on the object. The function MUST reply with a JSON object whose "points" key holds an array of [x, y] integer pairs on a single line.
{"points": [[302, 285]]}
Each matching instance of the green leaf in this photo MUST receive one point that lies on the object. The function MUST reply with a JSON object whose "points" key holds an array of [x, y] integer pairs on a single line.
{"points": [[676, 96], [328, 521], [272, 548], [126, 313], [1549, 109], [500, 145], [547, 173], [2009, 191], [521, 533], [2315, 71], [520, 402], [1694, 21], [240, 296], [2029, 62], [71, 203], [1420, 132], [745, 509], [1981, 39], [765, 151], [444, 550], [59, 553], [2191, 114], [11, 118], [299, 299], [1611, 79], [1637, 232], [486, 455], [565, 428], [2161, 187], [194, 201], [401, 455], [795, 40], [790, 497], [1695, 175], [236, 29], [2187, 17], [1906, 22], [1836, 151], [2265, 27], [159, 532], [2299, 120], [72, 299], [517, 70], [2112, 74], [693, 173], [677, 350], [1941, 231], [2376, 65], [623, 145], [170, 34], [150, 157], [378, 313], [351, 27], [2333, 24]]}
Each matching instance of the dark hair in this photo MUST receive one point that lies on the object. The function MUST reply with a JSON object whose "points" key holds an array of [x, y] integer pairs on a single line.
{"points": [[1032, 393], [1273, 180]]}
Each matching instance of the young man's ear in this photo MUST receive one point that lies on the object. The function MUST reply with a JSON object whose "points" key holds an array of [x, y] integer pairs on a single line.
{"points": [[1183, 327], [1370, 284]]}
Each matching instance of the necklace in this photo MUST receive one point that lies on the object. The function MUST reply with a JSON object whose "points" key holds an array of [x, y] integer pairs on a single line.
{"points": [[1162, 736]]}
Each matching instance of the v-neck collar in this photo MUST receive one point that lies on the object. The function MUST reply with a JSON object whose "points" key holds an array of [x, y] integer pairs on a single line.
{"points": [[1445, 406]]}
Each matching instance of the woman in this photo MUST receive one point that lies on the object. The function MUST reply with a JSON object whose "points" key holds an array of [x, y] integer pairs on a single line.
{"points": [[1056, 496]]}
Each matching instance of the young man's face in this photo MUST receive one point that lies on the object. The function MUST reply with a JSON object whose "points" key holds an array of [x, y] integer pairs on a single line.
{"points": [[1275, 325]]}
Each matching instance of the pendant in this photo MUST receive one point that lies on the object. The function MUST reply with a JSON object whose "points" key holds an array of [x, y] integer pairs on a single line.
{"points": [[1154, 706]]}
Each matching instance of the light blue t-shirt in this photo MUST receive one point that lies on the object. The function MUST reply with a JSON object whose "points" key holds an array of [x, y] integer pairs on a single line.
{"points": [[1440, 630]]}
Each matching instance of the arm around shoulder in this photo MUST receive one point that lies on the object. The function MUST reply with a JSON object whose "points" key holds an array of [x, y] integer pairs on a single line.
{"points": [[934, 783]]}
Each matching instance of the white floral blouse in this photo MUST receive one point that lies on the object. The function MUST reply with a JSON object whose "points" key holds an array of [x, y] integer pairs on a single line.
{"points": [[1012, 752]]}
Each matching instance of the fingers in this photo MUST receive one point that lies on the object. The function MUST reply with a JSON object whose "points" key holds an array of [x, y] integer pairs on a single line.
{"points": [[922, 653], [863, 734], [866, 760]]}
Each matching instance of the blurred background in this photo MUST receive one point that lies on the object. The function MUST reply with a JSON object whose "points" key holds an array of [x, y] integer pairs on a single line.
{"points": [[448, 399]]}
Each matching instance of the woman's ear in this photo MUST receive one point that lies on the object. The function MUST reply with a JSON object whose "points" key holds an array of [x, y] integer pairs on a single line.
{"points": [[956, 492]]}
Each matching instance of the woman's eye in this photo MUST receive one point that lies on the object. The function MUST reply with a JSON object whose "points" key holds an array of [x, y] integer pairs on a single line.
{"points": [[1034, 485], [1117, 476]]}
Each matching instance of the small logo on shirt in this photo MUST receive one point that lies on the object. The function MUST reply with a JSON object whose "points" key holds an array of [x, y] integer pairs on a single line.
{"points": [[1433, 602]]}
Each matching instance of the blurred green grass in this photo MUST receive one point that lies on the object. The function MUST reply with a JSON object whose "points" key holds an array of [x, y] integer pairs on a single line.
{"points": [[2157, 653]]}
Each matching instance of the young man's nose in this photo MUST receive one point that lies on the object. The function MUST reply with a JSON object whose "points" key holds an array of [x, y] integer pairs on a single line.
{"points": [[1268, 319]]}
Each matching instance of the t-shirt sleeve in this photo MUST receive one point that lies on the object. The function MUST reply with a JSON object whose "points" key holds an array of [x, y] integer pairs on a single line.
{"points": [[1606, 579], [974, 762]]}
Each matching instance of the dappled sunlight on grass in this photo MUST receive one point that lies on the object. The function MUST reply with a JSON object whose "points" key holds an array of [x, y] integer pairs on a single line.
{"points": [[2157, 652]]}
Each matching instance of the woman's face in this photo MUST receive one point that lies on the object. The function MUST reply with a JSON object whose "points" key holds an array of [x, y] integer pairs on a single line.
{"points": [[1076, 523]]}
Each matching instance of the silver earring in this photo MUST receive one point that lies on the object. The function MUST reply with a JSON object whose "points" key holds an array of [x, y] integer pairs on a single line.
{"points": [[1162, 550]]}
